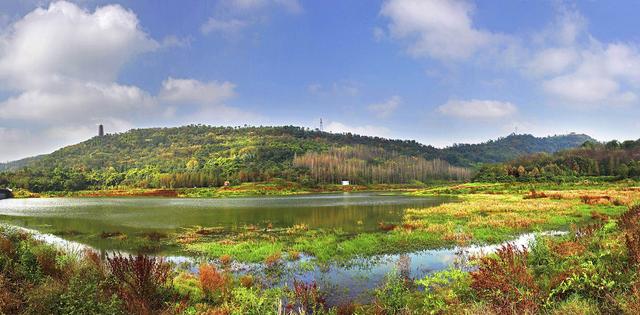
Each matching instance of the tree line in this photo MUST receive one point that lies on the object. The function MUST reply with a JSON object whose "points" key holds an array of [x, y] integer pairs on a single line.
{"points": [[612, 159], [365, 165]]}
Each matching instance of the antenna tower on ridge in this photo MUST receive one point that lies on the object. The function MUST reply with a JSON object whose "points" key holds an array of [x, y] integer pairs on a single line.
{"points": [[321, 127]]}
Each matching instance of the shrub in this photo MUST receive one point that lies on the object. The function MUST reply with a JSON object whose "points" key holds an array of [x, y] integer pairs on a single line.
{"points": [[142, 282], [84, 296], [246, 281], [506, 283], [28, 265], [393, 296], [629, 221], [250, 301], [590, 281], [10, 300], [225, 260], [6, 246], [575, 305], [187, 285], [213, 283], [445, 288], [44, 298], [273, 259], [46, 256], [309, 297]]}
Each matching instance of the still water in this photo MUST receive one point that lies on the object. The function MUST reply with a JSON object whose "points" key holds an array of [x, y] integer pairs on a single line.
{"points": [[85, 219]]}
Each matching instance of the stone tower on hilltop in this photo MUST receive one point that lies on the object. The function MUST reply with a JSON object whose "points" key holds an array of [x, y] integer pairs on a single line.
{"points": [[100, 131]]}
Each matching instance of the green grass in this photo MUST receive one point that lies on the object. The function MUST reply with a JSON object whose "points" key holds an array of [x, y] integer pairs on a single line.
{"points": [[492, 213], [249, 251]]}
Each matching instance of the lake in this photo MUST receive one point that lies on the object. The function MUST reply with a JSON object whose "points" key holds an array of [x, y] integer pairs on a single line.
{"points": [[86, 219]]}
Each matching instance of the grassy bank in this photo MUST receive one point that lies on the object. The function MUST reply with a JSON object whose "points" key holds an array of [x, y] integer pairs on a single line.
{"points": [[277, 188]]}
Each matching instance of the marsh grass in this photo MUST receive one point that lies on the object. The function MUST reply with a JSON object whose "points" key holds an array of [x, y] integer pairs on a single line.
{"points": [[491, 213]]}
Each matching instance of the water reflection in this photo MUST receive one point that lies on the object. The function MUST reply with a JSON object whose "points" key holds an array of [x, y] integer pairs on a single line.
{"points": [[84, 219]]}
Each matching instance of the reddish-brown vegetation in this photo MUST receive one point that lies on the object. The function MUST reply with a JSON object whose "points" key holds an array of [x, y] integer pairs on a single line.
{"points": [[595, 199], [143, 280], [273, 259], [568, 248], [506, 283], [386, 227], [308, 296], [212, 281]]}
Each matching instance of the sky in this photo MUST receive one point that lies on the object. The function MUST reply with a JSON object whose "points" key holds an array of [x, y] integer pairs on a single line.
{"points": [[436, 71]]}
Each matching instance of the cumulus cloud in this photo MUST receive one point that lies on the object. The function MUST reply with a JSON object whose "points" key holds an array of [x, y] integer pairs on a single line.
{"points": [[59, 65], [386, 108], [575, 68], [438, 28], [477, 109], [61, 62], [369, 130], [49, 46], [77, 102]]}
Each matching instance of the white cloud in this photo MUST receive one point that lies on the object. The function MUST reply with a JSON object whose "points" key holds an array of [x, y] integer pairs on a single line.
{"points": [[291, 6], [191, 91], [77, 102], [552, 61], [602, 75], [231, 26], [175, 41], [477, 109], [386, 108], [438, 28], [369, 130], [231, 17], [340, 88], [63, 41]]}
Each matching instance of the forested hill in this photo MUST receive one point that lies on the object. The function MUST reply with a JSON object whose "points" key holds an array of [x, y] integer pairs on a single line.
{"points": [[509, 148], [612, 159], [200, 156]]}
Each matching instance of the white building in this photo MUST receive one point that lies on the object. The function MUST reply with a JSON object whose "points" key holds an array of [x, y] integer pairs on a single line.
{"points": [[345, 183]]}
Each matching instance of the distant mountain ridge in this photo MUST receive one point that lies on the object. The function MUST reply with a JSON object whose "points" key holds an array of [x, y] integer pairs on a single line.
{"points": [[510, 147], [17, 164]]}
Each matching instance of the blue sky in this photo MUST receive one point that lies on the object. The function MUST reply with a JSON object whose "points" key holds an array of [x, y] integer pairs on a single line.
{"points": [[440, 72]]}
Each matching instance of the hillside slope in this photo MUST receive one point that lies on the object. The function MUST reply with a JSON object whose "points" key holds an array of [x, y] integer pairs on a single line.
{"points": [[200, 156], [510, 147], [612, 159]]}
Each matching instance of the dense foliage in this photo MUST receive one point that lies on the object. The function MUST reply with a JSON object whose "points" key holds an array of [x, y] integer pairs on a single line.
{"points": [[612, 159], [509, 148], [205, 156]]}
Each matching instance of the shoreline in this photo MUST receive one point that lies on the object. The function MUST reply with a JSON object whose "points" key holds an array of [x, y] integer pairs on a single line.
{"points": [[245, 190]]}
